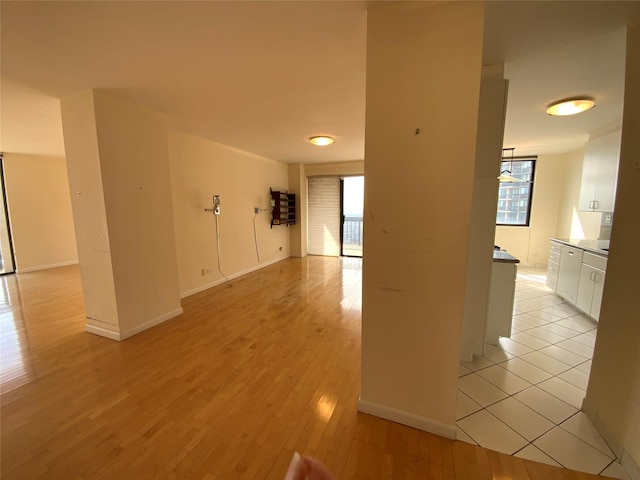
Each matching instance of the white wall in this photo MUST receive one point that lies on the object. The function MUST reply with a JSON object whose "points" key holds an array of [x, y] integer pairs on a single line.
{"points": [[37, 189], [613, 394], [414, 272], [201, 169], [119, 177], [493, 96], [336, 168], [298, 232], [36, 178]]}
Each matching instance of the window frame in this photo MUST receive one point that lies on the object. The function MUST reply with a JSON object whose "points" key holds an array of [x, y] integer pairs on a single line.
{"points": [[512, 160]]}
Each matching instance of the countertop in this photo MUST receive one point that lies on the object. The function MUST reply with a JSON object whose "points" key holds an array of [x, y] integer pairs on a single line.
{"points": [[504, 257], [601, 247]]}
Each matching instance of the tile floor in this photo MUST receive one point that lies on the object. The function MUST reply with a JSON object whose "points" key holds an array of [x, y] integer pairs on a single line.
{"points": [[523, 396]]}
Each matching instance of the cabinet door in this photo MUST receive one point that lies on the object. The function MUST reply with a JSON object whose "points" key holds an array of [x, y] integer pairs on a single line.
{"points": [[588, 184], [569, 273], [585, 289], [600, 173]]}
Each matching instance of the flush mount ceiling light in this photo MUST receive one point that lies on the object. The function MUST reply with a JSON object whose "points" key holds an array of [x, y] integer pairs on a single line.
{"points": [[321, 140], [570, 106]]}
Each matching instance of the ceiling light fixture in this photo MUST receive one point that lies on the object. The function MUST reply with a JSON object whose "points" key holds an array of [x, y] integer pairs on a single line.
{"points": [[570, 106], [505, 175], [321, 140]]}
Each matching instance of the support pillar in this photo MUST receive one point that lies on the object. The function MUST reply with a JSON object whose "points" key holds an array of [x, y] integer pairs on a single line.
{"points": [[424, 63]]}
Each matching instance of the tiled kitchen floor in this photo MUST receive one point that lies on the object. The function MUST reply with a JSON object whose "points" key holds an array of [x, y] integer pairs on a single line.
{"points": [[523, 397]]}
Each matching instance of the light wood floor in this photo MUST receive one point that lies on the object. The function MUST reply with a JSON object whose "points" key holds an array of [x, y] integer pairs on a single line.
{"points": [[254, 370]]}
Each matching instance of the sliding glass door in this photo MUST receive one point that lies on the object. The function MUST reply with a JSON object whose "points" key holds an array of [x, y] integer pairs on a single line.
{"points": [[352, 193]]}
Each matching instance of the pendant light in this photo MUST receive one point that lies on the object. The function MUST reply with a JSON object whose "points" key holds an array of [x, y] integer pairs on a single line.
{"points": [[505, 175]]}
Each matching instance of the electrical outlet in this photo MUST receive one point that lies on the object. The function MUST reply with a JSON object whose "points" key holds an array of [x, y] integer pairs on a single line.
{"points": [[203, 272], [280, 249], [209, 270], [256, 210]]}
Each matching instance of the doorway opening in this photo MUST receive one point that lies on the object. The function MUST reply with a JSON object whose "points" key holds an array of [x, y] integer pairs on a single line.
{"points": [[7, 264], [352, 216]]}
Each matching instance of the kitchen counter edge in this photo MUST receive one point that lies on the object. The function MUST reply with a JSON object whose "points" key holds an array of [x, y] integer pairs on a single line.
{"points": [[599, 247], [504, 257]]}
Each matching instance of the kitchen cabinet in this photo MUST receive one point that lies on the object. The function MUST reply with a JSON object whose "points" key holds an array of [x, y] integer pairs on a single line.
{"points": [[553, 267], [569, 273], [600, 173], [591, 284], [501, 297]]}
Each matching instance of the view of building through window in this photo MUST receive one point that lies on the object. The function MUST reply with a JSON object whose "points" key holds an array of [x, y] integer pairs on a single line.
{"points": [[514, 196]]}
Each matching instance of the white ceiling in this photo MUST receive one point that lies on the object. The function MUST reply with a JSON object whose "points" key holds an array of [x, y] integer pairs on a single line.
{"points": [[263, 76]]}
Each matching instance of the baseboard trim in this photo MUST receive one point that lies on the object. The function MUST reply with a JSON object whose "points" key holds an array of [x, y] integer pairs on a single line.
{"points": [[215, 283], [406, 418], [151, 323], [119, 336], [46, 267], [102, 332]]}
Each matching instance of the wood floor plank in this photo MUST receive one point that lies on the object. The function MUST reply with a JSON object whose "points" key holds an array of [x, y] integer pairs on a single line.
{"points": [[252, 371]]}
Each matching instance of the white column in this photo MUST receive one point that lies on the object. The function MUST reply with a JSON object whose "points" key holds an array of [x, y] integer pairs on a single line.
{"points": [[423, 85], [613, 394], [118, 163]]}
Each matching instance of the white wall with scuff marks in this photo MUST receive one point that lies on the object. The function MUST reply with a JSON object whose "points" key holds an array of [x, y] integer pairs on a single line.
{"points": [[416, 226]]}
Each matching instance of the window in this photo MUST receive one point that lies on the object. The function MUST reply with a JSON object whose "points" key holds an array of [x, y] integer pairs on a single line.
{"points": [[514, 195]]}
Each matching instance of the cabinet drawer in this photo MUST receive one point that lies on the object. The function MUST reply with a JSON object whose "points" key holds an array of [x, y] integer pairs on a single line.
{"points": [[554, 257], [552, 282], [555, 247], [552, 269], [596, 261]]}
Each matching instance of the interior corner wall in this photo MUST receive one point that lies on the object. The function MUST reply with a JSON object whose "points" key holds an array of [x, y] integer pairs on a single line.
{"points": [[134, 159], [37, 190], [421, 118], [298, 232], [200, 169], [493, 100], [89, 212], [120, 182], [613, 393]]}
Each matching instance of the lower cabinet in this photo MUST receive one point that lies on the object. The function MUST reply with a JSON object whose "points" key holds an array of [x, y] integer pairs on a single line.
{"points": [[501, 296], [553, 267], [591, 285], [569, 273], [578, 276]]}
